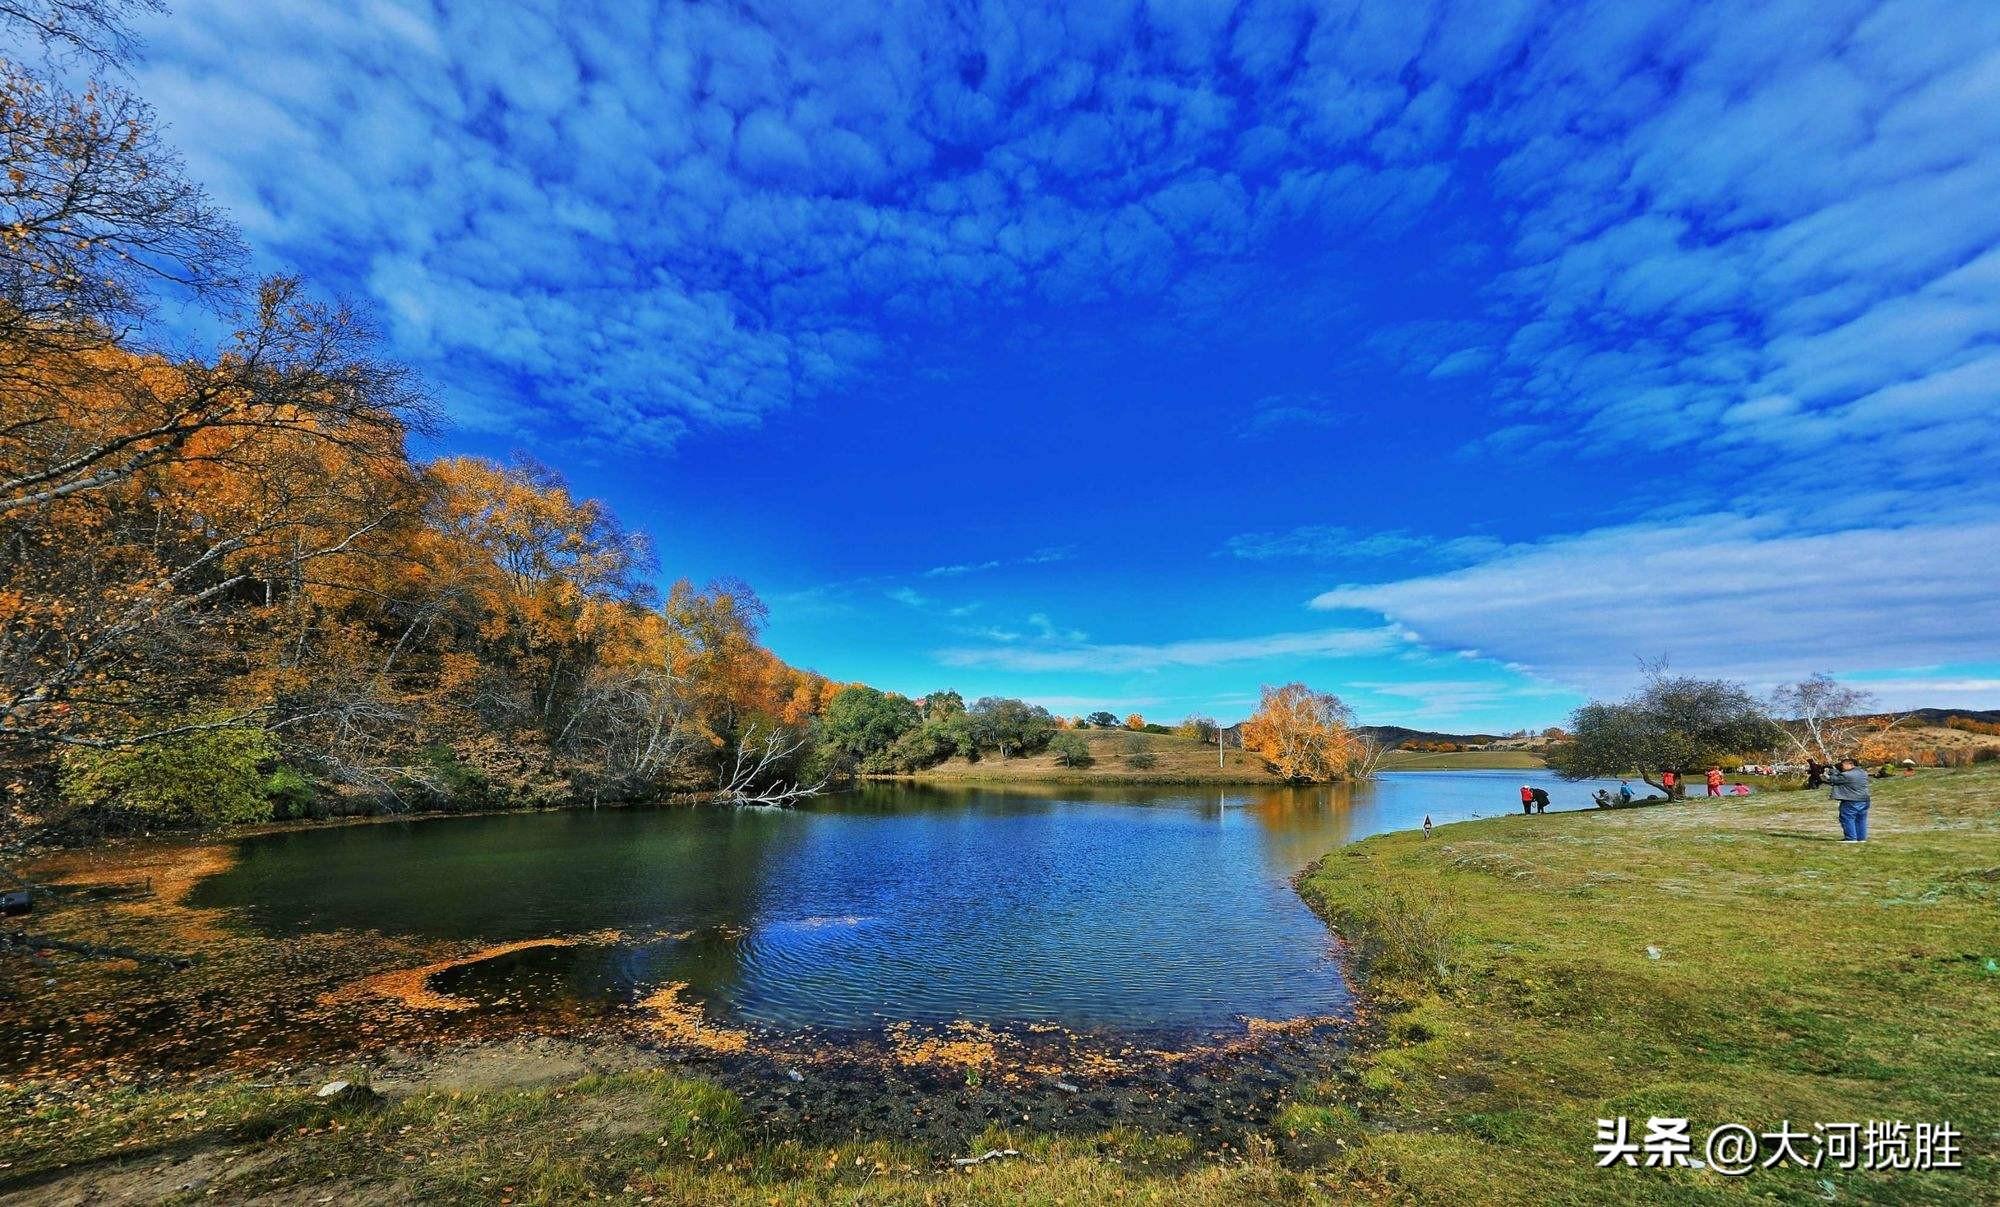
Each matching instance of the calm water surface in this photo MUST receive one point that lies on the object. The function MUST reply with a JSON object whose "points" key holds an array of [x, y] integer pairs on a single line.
{"points": [[1133, 909]]}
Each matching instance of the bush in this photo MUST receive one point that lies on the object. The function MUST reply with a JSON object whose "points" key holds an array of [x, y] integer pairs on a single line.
{"points": [[1197, 728], [460, 785], [1070, 750], [1402, 936], [209, 777], [1138, 754], [291, 793], [827, 763]]}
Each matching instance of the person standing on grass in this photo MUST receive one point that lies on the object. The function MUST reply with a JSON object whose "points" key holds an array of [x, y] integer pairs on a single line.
{"points": [[1715, 781], [1527, 799], [1850, 788], [1667, 780]]}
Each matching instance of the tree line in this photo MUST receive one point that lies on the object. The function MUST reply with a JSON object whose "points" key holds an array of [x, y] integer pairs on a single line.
{"points": [[1301, 735], [227, 589]]}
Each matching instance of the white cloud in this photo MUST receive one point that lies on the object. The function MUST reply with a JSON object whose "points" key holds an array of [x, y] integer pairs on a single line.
{"points": [[1756, 598], [962, 568], [1940, 691], [1110, 658], [1329, 542]]}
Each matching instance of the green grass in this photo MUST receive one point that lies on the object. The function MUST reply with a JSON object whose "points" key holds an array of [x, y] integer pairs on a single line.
{"points": [[647, 1136], [1797, 978], [1461, 760]]}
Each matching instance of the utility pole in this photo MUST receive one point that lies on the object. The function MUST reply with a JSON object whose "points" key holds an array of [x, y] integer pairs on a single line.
{"points": [[1218, 748]]}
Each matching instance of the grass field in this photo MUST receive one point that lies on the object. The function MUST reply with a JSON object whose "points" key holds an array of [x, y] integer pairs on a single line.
{"points": [[1175, 760], [1461, 760], [1796, 978]]}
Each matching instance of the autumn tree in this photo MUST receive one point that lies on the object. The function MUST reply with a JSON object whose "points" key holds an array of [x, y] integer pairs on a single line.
{"points": [[221, 574], [1197, 728], [1302, 734], [1824, 720], [134, 539]]}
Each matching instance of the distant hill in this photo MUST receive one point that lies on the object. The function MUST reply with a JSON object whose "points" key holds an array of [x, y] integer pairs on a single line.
{"points": [[1938, 716], [1393, 736]]}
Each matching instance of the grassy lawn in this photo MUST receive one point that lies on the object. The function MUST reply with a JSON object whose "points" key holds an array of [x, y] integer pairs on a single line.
{"points": [[1796, 978], [640, 1136], [1461, 760]]}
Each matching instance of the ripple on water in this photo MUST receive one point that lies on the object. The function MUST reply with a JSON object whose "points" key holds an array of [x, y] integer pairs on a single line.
{"points": [[1166, 912]]}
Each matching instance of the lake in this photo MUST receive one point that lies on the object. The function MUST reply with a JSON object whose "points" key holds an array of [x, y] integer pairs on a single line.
{"points": [[1128, 910]]}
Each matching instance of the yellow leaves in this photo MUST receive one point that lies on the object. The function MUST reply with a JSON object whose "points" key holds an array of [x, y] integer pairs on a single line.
{"points": [[1301, 733]]}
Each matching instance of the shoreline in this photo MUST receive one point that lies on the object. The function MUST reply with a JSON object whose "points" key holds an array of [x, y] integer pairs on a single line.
{"points": [[1509, 983]]}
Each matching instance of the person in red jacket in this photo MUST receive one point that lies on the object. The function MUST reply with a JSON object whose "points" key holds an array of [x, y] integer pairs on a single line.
{"points": [[1527, 799], [1715, 781], [1667, 780]]}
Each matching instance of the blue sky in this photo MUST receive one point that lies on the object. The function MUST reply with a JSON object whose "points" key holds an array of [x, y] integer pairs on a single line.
{"points": [[1447, 356]]}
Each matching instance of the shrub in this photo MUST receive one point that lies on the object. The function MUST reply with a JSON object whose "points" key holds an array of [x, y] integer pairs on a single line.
{"points": [[460, 785], [827, 763], [926, 746], [1138, 754], [1403, 936], [1070, 750], [208, 777], [291, 793], [1200, 729]]}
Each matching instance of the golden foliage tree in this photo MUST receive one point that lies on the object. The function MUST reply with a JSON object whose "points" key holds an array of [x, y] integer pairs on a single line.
{"points": [[233, 549], [1303, 734]]}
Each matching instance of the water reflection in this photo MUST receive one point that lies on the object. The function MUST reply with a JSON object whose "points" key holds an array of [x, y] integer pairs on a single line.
{"points": [[1094, 908]]}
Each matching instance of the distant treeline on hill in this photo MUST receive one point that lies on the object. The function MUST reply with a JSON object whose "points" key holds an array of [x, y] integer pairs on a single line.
{"points": [[1393, 737]]}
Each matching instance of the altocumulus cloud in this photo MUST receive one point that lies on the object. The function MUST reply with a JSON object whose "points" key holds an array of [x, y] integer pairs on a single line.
{"points": [[1763, 233], [684, 219]]}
